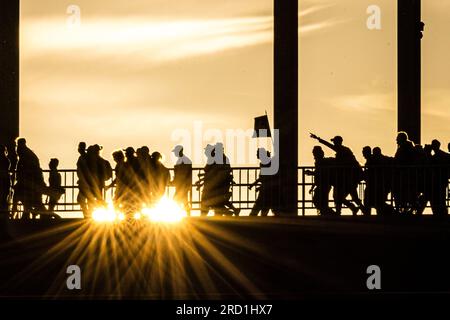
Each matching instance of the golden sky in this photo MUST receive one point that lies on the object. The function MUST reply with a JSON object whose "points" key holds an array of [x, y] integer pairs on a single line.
{"points": [[134, 72]]}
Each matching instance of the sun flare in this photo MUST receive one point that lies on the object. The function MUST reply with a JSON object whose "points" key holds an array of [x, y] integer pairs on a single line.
{"points": [[165, 211], [106, 214]]}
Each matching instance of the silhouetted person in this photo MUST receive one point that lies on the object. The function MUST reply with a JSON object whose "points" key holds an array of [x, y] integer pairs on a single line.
{"points": [[30, 184], [441, 165], [382, 167], [161, 176], [323, 181], [207, 181], [5, 182], [144, 172], [216, 180], [347, 176], [225, 181], [265, 186], [132, 193], [55, 190], [370, 190], [119, 181], [82, 178], [405, 188], [98, 172], [182, 179]]}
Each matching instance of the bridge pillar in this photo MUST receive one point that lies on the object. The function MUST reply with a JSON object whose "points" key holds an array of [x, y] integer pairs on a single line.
{"points": [[409, 67], [9, 70], [286, 100]]}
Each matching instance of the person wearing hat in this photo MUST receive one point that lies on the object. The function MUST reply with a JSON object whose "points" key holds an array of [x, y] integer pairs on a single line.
{"points": [[348, 174], [98, 172], [182, 179]]}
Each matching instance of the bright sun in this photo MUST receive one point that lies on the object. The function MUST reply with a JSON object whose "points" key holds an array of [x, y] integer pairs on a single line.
{"points": [[165, 211], [106, 214]]}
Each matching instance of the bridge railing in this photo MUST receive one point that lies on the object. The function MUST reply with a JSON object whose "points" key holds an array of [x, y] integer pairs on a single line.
{"points": [[242, 197]]}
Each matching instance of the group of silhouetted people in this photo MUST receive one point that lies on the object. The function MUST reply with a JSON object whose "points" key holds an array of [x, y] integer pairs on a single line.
{"points": [[25, 184], [415, 176], [140, 178], [217, 182]]}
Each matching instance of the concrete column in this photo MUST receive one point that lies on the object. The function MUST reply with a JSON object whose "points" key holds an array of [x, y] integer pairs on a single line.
{"points": [[286, 100]]}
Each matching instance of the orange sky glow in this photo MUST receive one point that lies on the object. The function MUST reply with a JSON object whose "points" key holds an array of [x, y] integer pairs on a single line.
{"points": [[142, 73]]}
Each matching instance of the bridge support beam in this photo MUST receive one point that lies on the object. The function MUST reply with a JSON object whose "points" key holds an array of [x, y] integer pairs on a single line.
{"points": [[409, 68], [286, 100], [9, 70]]}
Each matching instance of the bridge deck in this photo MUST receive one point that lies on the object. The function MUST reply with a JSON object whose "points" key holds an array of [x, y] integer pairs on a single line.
{"points": [[218, 257]]}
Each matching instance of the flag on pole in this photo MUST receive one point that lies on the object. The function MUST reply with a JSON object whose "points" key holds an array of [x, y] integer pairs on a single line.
{"points": [[262, 127]]}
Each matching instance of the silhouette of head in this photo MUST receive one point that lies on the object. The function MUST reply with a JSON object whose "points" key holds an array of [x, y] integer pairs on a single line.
{"points": [[118, 156], [21, 145], [157, 156], [318, 153], [337, 140], [93, 150], [97, 148], [178, 151], [262, 154], [209, 151], [367, 152], [435, 145], [402, 137], [53, 164], [145, 150], [219, 149], [427, 149], [82, 148], [376, 152], [129, 152]]}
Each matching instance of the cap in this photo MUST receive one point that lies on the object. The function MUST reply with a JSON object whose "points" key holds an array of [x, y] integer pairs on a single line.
{"points": [[337, 139], [177, 148]]}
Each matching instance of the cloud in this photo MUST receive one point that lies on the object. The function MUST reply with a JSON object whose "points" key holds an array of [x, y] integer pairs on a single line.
{"points": [[436, 103], [156, 40], [364, 103]]}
